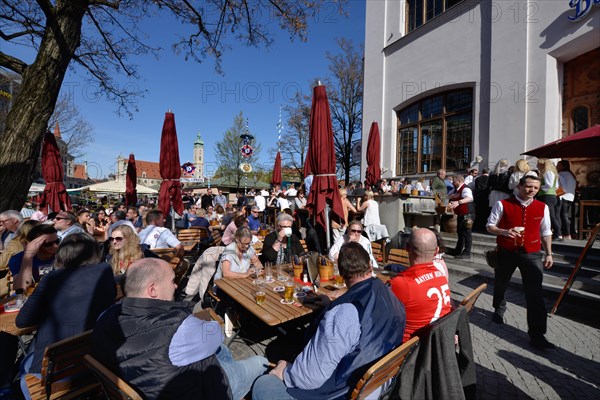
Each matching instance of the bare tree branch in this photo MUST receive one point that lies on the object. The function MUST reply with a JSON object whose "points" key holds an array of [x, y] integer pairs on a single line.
{"points": [[12, 63]]}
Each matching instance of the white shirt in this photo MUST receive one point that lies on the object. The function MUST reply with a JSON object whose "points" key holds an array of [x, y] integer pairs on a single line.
{"points": [[334, 251], [498, 210], [283, 203], [158, 238], [291, 192], [260, 202], [371, 214]]}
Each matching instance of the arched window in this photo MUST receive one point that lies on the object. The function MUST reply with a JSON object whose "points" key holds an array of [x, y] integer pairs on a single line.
{"points": [[436, 132], [581, 118]]}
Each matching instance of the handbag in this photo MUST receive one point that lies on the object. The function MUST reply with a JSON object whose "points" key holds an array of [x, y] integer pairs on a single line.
{"points": [[560, 191], [491, 257]]}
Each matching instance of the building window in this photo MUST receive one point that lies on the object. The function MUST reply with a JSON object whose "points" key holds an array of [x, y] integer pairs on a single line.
{"points": [[581, 119], [436, 132], [419, 12]]}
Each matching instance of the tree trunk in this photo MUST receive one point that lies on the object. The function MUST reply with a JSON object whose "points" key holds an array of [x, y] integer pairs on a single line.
{"points": [[28, 118]]}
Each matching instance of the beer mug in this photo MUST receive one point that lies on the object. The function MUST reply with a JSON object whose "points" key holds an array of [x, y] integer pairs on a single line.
{"points": [[282, 275], [520, 239]]}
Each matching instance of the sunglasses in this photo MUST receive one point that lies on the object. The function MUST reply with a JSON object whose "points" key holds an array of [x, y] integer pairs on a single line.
{"points": [[243, 244], [359, 231], [58, 218], [115, 239], [50, 244]]}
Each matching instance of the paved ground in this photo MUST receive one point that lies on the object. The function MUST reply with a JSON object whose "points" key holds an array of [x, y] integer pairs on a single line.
{"points": [[507, 366]]}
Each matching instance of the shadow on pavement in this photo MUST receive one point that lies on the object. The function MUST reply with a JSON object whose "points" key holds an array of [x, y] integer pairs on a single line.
{"points": [[565, 385]]}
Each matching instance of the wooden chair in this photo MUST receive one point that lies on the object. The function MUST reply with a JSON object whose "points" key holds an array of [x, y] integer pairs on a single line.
{"points": [[388, 368], [114, 387], [377, 252], [191, 239], [165, 253], [304, 245], [398, 256], [64, 374], [217, 238], [469, 300]]}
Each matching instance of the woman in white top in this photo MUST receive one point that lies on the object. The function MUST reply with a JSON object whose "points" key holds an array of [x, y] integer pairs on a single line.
{"points": [[300, 201], [370, 208], [521, 169], [568, 183], [239, 260]]}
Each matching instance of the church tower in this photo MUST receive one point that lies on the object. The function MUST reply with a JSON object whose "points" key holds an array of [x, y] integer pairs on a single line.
{"points": [[199, 157]]}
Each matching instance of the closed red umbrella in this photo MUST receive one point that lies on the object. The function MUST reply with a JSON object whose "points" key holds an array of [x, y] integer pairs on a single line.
{"points": [[276, 179], [373, 174], [321, 160], [131, 182], [170, 168], [55, 193], [582, 144]]}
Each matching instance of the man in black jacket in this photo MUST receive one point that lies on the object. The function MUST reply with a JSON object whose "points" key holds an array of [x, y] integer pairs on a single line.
{"points": [[162, 349]]}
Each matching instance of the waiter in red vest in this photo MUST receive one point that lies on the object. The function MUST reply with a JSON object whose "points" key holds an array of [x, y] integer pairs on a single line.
{"points": [[522, 226], [462, 204]]}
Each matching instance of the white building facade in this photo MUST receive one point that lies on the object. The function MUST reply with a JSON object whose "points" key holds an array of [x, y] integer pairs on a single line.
{"points": [[450, 80]]}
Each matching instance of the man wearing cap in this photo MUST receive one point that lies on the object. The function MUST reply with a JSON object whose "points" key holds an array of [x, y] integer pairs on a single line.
{"points": [[65, 223]]}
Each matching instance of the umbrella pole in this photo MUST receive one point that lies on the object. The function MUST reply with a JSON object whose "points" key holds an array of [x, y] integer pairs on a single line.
{"points": [[327, 222], [172, 219]]}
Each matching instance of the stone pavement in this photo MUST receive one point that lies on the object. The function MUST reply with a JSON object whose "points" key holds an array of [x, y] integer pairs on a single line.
{"points": [[507, 366]]}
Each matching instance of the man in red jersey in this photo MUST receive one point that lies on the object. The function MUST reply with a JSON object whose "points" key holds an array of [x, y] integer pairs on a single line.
{"points": [[422, 288], [522, 226]]}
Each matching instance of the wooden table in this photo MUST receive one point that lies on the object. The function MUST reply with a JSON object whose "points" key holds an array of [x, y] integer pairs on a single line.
{"points": [[271, 312], [7, 321]]}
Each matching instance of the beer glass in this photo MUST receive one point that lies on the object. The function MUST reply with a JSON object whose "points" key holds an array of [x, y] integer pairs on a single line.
{"points": [[269, 272], [282, 275], [288, 294], [260, 294], [520, 239]]}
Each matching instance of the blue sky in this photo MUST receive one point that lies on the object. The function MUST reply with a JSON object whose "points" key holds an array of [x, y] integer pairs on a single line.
{"points": [[256, 81]]}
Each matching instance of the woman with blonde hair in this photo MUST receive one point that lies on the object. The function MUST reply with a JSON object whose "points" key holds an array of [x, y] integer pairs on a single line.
{"points": [[124, 248], [339, 229], [16, 245], [521, 169], [547, 193]]}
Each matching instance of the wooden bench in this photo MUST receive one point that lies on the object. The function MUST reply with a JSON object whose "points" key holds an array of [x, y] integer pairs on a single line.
{"points": [[377, 252], [398, 256], [64, 374], [192, 240]]}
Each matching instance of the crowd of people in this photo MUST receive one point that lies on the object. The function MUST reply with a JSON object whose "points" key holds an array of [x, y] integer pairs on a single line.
{"points": [[166, 352]]}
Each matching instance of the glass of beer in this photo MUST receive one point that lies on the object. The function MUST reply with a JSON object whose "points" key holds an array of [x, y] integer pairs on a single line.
{"points": [[288, 294], [520, 239], [339, 280], [260, 294]]}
